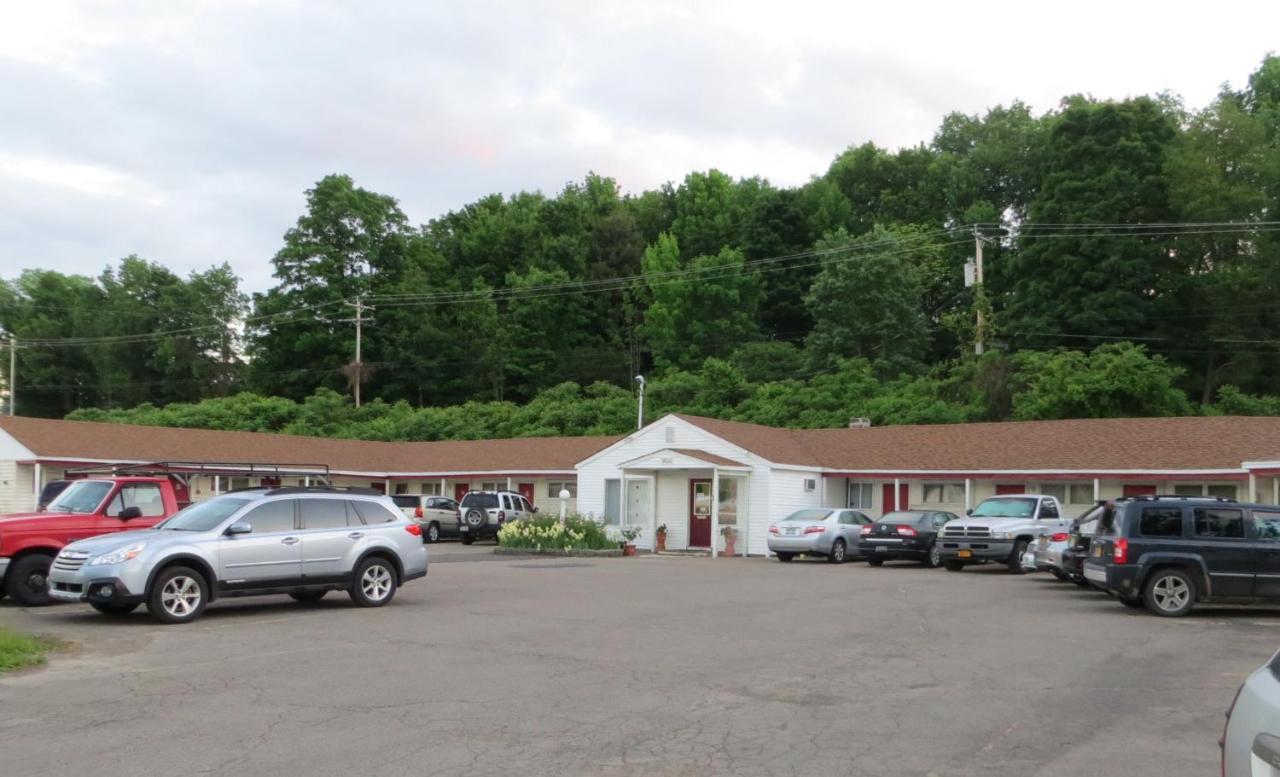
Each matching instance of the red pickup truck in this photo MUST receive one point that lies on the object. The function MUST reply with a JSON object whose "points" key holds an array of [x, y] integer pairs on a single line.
{"points": [[87, 508]]}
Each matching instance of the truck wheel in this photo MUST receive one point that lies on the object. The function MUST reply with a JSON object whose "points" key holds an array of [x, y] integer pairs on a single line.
{"points": [[1015, 560], [784, 557], [1169, 592], [432, 534], [837, 552], [467, 539], [934, 559], [875, 562], [113, 608], [29, 580], [178, 595], [951, 565], [375, 582]]}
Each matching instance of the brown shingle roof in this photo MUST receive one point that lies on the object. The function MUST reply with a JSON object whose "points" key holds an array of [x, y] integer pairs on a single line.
{"points": [[710, 458], [1083, 444], [123, 442]]}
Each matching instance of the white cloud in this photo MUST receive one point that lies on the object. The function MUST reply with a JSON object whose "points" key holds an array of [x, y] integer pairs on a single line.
{"points": [[187, 132]]}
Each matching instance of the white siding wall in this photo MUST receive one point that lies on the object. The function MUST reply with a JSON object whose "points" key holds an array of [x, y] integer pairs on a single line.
{"points": [[786, 495], [12, 498]]}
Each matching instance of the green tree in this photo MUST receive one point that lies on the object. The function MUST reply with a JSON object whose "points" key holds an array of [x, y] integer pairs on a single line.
{"points": [[866, 300], [1116, 380], [699, 308]]}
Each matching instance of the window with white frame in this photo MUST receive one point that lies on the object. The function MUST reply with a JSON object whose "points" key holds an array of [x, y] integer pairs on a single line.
{"points": [[1186, 489], [432, 488], [493, 485], [943, 492], [1069, 493], [402, 488], [1222, 491], [860, 495], [554, 487], [613, 501]]}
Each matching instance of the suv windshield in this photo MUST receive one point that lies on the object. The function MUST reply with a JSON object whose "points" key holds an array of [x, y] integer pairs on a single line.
{"points": [[808, 515], [1005, 507], [82, 497], [204, 516], [484, 501]]}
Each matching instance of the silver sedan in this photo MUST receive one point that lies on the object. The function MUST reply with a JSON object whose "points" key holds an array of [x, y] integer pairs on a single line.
{"points": [[820, 531]]}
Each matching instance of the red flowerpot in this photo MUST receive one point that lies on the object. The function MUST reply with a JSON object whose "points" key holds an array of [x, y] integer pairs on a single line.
{"points": [[628, 549], [662, 540], [728, 544]]}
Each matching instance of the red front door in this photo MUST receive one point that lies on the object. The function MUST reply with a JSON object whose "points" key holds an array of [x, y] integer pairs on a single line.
{"points": [[526, 490], [1012, 488], [699, 513], [1139, 490], [886, 498], [460, 490]]}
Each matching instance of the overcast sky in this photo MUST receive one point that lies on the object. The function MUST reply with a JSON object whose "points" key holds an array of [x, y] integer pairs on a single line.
{"points": [[186, 132]]}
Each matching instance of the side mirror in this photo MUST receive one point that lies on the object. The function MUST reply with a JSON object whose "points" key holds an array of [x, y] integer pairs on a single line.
{"points": [[969, 511], [239, 527], [129, 513]]}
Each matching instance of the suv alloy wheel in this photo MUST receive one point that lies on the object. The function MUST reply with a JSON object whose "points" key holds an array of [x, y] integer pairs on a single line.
{"points": [[178, 595], [1169, 592]]}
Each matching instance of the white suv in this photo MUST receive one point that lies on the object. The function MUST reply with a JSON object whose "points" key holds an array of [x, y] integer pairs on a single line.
{"points": [[484, 512]]}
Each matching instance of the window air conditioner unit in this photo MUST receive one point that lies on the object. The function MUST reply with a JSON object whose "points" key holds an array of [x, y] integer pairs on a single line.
{"points": [[810, 484]]}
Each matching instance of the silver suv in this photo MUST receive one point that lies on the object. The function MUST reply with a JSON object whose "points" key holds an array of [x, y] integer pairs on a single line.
{"points": [[484, 512], [303, 542]]}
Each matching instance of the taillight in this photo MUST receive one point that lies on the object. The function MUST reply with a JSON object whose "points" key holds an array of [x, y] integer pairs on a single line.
{"points": [[773, 529], [906, 531], [1059, 537], [501, 516], [417, 511], [414, 529], [865, 531], [1120, 550], [814, 529], [1222, 741]]}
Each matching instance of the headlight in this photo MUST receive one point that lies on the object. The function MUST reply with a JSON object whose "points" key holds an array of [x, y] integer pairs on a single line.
{"points": [[1000, 535], [118, 556]]}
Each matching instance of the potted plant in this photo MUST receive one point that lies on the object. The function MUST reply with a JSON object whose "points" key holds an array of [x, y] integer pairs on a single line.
{"points": [[730, 534], [629, 534], [661, 536]]}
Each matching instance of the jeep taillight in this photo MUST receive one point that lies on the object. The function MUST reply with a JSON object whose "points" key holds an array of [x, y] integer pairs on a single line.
{"points": [[417, 511], [1059, 537], [502, 516], [1120, 550]]}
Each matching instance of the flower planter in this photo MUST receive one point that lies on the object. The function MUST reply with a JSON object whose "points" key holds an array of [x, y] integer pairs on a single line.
{"points": [[662, 541], [728, 544], [629, 549]]}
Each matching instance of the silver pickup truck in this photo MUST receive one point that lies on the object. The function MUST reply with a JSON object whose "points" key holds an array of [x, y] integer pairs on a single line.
{"points": [[999, 530]]}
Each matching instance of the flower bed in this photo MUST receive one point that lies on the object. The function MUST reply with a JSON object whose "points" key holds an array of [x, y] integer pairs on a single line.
{"points": [[547, 533]]}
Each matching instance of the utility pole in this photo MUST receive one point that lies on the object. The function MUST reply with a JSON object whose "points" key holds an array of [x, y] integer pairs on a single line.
{"points": [[640, 409], [359, 322], [979, 294], [13, 373]]}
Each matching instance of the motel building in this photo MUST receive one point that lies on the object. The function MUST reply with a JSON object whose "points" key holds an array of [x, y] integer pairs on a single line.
{"points": [[715, 485]]}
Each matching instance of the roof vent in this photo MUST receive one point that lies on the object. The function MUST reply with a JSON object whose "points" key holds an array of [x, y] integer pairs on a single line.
{"points": [[859, 423]]}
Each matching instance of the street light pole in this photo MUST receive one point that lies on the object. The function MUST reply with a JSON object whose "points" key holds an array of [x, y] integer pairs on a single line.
{"points": [[640, 408], [13, 373]]}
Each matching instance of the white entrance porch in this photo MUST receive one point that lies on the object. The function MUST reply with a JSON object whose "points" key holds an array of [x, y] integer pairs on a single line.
{"points": [[700, 497]]}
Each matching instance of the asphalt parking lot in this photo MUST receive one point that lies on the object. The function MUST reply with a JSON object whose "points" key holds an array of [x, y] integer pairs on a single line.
{"points": [[644, 666]]}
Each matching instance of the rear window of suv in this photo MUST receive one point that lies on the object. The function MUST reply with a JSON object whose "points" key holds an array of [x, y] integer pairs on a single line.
{"points": [[405, 501], [1160, 522], [484, 501]]}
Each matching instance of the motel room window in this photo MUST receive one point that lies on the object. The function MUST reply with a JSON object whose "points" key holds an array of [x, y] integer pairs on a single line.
{"points": [[860, 495], [1225, 491], [944, 492], [432, 488], [1069, 493], [492, 485], [554, 486], [402, 488]]}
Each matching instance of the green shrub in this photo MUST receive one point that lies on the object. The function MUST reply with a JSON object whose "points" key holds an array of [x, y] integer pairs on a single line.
{"points": [[542, 532]]}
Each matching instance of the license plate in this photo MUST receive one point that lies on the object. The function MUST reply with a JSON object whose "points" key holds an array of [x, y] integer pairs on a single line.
{"points": [[881, 548], [965, 554], [791, 531]]}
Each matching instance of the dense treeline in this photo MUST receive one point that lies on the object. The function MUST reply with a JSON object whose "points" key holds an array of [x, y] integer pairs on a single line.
{"points": [[805, 305]]}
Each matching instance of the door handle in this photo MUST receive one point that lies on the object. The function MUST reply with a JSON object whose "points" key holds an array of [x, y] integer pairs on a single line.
{"points": [[355, 535], [289, 541]]}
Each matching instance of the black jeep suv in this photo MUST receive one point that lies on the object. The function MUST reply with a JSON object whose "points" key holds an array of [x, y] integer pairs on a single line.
{"points": [[1168, 553]]}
